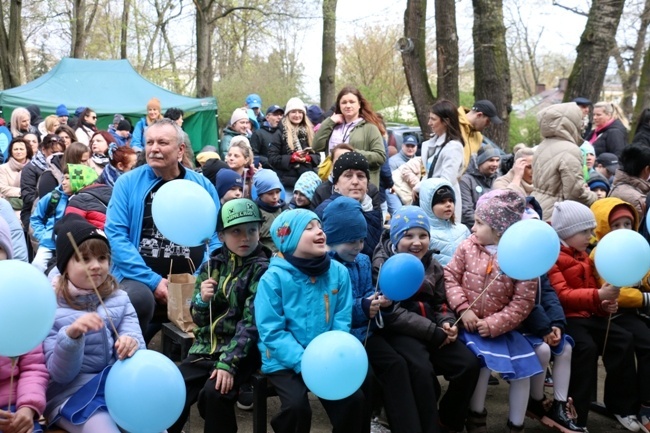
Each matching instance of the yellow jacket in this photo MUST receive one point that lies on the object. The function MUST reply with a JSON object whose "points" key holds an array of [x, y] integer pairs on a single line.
{"points": [[629, 297], [471, 136]]}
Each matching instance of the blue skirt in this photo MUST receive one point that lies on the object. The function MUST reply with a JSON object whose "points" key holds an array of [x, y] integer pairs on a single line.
{"points": [[85, 402], [557, 350], [37, 427], [509, 354]]}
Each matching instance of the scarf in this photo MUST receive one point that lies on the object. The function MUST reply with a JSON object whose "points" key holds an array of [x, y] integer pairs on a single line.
{"points": [[15, 165], [341, 132], [310, 267], [109, 175], [599, 131], [299, 137], [100, 160], [40, 161]]}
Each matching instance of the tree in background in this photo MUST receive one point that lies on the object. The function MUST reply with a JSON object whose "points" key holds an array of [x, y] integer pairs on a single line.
{"points": [[491, 67], [327, 78], [447, 50], [10, 42]]}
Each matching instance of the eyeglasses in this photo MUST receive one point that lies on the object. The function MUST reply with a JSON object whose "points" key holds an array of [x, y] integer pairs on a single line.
{"points": [[93, 117]]}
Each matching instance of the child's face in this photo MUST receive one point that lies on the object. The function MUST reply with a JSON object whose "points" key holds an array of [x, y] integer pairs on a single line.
{"points": [[415, 241], [621, 223], [484, 233], [590, 160], [300, 199], [272, 198], [233, 193], [444, 209], [3, 254], [312, 242], [65, 185], [241, 239], [348, 251], [600, 193], [97, 268], [579, 241]]}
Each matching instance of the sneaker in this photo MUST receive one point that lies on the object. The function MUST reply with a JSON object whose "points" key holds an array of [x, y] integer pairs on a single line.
{"points": [[245, 397], [562, 416], [377, 427], [629, 422], [644, 419]]}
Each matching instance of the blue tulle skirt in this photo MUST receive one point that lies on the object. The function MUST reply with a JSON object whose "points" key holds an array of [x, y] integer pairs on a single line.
{"points": [[85, 402], [509, 354], [557, 350]]}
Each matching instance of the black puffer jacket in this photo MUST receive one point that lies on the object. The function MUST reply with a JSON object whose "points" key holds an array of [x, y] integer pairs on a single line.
{"points": [[611, 139], [28, 182], [262, 139], [280, 160]]}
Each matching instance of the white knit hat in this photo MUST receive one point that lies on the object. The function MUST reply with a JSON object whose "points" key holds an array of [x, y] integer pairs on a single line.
{"points": [[570, 217], [295, 104], [238, 115]]}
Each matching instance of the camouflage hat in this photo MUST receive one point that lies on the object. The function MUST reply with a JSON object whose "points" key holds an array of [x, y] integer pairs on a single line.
{"points": [[238, 211]]}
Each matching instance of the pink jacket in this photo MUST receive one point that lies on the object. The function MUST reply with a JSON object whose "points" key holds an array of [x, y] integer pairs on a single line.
{"points": [[30, 381], [504, 305]]}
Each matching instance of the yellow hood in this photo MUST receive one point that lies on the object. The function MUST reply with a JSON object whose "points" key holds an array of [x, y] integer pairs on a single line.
{"points": [[602, 208]]}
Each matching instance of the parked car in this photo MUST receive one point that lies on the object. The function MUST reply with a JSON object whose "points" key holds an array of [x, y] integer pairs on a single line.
{"points": [[397, 132]]}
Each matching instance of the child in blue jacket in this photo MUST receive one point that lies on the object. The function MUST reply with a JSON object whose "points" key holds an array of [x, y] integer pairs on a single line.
{"points": [[302, 294]]}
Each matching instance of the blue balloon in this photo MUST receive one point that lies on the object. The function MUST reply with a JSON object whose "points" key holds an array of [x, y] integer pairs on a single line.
{"points": [[334, 365], [184, 212], [528, 249], [145, 393], [27, 307], [401, 276], [622, 258]]}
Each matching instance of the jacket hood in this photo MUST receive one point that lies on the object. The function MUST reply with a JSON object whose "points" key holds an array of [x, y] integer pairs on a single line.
{"points": [[428, 188], [561, 121], [603, 208]]}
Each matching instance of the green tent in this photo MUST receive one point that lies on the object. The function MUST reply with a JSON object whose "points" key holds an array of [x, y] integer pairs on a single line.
{"points": [[110, 87]]}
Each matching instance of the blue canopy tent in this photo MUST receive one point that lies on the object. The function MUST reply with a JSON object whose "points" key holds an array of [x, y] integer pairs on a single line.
{"points": [[110, 87]]}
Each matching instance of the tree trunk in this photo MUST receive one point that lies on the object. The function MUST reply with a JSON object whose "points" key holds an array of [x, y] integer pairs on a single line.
{"points": [[594, 49], [643, 92], [10, 45], [491, 68], [204, 69], [125, 26], [328, 67], [414, 60], [447, 50]]}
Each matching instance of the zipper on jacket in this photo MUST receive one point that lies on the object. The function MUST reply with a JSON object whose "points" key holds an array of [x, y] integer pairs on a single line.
{"points": [[327, 308]]}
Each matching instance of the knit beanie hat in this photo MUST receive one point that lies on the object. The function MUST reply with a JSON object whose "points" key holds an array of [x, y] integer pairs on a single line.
{"points": [[350, 160], [79, 110], [227, 179], [154, 103], [81, 231], [204, 157], [620, 211], [62, 111], [597, 180], [485, 153], [406, 218], [587, 148], [5, 239], [343, 221], [570, 217], [501, 209], [307, 184], [295, 104], [238, 115], [123, 125], [287, 228], [241, 139], [266, 180], [442, 193], [81, 176]]}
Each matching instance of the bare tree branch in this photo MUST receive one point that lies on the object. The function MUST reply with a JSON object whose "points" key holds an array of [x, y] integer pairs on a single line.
{"points": [[574, 10]]}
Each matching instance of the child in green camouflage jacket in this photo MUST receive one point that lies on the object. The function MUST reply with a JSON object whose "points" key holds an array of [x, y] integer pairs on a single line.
{"points": [[224, 353]]}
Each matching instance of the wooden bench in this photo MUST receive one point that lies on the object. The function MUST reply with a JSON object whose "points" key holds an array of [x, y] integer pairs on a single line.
{"points": [[171, 336], [262, 389]]}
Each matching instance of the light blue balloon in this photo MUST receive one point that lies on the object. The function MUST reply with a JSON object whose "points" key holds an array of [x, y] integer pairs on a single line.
{"points": [[145, 393], [528, 249], [334, 365], [622, 258], [27, 307], [184, 212], [401, 276]]}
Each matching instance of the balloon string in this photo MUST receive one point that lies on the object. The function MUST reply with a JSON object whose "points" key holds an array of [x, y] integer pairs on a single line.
{"points": [[609, 322], [477, 298], [14, 361], [80, 259], [374, 296]]}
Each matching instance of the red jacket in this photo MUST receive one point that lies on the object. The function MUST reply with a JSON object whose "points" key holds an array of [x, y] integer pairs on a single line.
{"points": [[30, 381], [573, 279]]}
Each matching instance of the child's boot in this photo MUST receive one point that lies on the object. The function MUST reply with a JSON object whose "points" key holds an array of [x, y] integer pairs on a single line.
{"points": [[562, 417], [476, 422], [511, 428]]}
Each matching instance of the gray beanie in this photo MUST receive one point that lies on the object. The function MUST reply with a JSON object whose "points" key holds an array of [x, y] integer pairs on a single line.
{"points": [[486, 152], [570, 217]]}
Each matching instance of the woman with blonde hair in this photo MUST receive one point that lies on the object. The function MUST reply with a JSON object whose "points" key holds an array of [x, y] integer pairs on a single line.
{"points": [[20, 123], [610, 131], [240, 159], [153, 114], [293, 155]]}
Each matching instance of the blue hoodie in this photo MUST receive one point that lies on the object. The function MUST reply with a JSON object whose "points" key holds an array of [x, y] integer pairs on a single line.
{"points": [[445, 235]]}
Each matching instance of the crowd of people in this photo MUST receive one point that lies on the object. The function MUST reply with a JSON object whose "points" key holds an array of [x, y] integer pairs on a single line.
{"points": [[311, 205]]}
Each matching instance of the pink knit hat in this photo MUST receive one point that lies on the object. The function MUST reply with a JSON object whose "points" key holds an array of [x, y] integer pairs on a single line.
{"points": [[501, 209]]}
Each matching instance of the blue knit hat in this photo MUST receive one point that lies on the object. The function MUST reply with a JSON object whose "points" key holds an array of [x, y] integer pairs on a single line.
{"points": [[62, 111], [287, 228], [266, 180], [406, 218], [343, 221], [227, 179], [307, 184]]}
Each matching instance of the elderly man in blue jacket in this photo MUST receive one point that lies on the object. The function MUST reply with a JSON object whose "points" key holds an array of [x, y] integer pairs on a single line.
{"points": [[142, 256]]}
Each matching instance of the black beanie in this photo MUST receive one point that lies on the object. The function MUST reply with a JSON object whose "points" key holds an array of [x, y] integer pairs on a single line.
{"points": [[443, 193], [347, 161], [81, 231], [123, 125]]}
